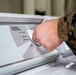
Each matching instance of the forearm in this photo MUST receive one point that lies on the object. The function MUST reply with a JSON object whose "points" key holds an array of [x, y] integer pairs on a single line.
{"points": [[67, 30]]}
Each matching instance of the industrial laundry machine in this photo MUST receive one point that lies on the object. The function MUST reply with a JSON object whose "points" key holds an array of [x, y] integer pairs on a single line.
{"points": [[20, 56]]}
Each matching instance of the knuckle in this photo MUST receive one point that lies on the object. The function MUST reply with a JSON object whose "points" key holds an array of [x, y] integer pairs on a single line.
{"points": [[45, 45], [37, 37], [48, 46], [35, 28]]}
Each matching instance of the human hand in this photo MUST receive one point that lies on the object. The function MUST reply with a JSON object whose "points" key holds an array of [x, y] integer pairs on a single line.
{"points": [[46, 34]]}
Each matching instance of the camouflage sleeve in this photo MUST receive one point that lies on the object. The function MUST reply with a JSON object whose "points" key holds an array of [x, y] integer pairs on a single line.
{"points": [[67, 30]]}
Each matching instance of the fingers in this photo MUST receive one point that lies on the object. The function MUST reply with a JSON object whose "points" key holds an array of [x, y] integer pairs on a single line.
{"points": [[35, 37], [46, 45]]}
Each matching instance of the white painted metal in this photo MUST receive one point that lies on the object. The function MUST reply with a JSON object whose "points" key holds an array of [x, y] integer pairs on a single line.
{"points": [[16, 47]]}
